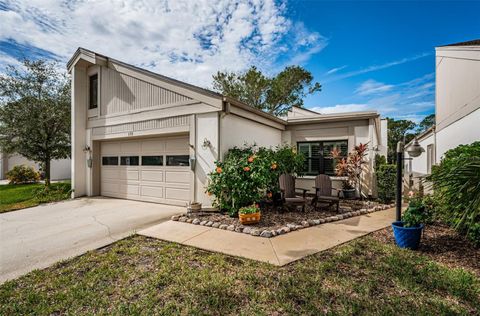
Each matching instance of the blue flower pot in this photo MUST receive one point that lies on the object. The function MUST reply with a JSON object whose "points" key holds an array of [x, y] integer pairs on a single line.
{"points": [[407, 237]]}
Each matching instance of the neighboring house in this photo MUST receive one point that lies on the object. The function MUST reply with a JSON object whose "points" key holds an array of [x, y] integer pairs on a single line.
{"points": [[60, 169], [457, 105], [143, 136]]}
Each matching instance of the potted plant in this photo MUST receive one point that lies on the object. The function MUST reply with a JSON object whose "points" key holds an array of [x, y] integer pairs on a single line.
{"points": [[350, 167], [249, 215], [408, 231]]}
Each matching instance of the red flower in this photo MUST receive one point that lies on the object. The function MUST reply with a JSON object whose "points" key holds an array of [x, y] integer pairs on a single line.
{"points": [[247, 169], [219, 170], [251, 158]]}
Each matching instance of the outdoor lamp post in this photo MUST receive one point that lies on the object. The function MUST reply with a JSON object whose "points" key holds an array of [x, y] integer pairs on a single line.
{"points": [[413, 150]]}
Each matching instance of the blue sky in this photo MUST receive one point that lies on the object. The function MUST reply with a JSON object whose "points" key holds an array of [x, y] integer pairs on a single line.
{"points": [[367, 54]]}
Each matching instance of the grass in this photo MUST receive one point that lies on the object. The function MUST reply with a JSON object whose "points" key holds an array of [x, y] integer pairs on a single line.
{"points": [[17, 196], [139, 275]]}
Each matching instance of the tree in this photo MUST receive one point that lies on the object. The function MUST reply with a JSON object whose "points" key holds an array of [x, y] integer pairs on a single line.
{"points": [[427, 122], [275, 95], [398, 130], [35, 113]]}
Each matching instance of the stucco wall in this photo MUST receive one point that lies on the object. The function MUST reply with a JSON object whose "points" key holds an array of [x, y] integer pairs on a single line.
{"points": [[236, 131], [207, 129], [60, 169], [457, 84], [355, 131], [464, 131]]}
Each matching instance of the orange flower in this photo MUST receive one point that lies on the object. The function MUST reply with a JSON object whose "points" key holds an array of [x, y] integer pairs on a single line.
{"points": [[251, 158], [219, 170], [269, 194], [209, 193], [274, 166], [246, 169]]}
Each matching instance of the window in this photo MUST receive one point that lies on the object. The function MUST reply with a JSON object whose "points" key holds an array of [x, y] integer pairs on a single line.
{"points": [[430, 158], [93, 90], [152, 160], [318, 157], [129, 160], [110, 161], [178, 160]]}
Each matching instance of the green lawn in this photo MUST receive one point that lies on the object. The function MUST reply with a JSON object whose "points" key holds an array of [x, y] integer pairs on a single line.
{"points": [[18, 196], [145, 276]]}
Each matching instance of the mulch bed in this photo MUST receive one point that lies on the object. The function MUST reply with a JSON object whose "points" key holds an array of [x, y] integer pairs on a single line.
{"points": [[442, 244], [277, 219]]}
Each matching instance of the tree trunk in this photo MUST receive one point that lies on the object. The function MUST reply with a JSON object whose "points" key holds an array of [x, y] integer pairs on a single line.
{"points": [[47, 173]]}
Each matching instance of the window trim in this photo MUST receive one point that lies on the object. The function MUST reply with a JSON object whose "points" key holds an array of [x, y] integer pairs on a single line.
{"points": [[90, 85], [168, 165], [129, 165], [147, 165], [321, 167]]}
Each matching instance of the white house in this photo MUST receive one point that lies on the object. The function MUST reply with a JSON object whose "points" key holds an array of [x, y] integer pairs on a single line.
{"points": [[59, 169], [457, 105], [143, 136]]}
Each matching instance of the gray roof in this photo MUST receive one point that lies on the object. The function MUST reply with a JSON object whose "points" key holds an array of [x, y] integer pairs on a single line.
{"points": [[475, 42]]}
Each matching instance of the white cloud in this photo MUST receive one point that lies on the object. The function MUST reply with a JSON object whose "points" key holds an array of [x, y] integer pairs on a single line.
{"points": [[371, 86], [342, 108], [378, 67], [334, 70], [188, 40]]}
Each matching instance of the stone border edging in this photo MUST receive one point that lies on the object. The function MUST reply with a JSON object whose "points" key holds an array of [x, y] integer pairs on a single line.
{"points": [[283, 230]]}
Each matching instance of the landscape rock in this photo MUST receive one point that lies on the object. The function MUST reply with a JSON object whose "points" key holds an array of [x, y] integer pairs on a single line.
{"points": [[292, 226], [216, 225], [196, 221], [316, 222], [340, 216], [297, 227], [266, 234], [274, 233], [231, 228], [280, 231], [247, 230], [255, 232], [311, 222], [203, 223], [223, 226], [305, 224], [175, 217], [182, 219], [322, 220], [333, 218], [209, 224], [239, 229], [189, 220]]}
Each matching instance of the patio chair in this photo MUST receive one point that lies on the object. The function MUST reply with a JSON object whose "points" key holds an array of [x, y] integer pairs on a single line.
{"points": [[323, 192], [289, 193]]}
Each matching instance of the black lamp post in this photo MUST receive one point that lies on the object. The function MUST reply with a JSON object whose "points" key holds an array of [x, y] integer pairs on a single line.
{"points": [[414, 150]]}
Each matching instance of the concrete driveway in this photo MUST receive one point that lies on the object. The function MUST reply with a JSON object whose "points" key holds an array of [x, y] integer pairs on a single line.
{"points": [[37, 237]]}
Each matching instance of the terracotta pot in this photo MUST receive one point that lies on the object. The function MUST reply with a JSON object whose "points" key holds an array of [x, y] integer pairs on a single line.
{"points": [[247, 219]]}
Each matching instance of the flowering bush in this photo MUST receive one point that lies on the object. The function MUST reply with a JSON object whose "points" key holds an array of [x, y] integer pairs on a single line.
{"points": [[247, 175], [252, 209], [22, 174]]}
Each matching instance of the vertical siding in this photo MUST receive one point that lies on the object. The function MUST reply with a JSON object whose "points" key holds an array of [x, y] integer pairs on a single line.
{"points": [[121, 93]]}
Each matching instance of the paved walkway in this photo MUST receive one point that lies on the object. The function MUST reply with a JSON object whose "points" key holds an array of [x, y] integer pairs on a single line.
{"points": [[279, 250], [40, 236]]}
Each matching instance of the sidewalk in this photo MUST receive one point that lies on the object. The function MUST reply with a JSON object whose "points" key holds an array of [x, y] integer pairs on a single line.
{"points": [[279, 250]]}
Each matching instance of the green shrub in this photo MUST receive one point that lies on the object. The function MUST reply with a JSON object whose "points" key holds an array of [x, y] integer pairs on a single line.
{"points": [[380, 161], [22, 174], [456, 183], [474, 234], [386, 181], [417, 212], [246, 175], [252, 209], [54, 192]]}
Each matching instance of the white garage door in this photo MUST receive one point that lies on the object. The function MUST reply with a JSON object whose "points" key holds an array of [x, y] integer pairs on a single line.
{"points": [[153, 169]]}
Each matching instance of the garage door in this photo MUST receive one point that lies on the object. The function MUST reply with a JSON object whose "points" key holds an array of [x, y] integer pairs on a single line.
{"points": [[153, 170]]}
